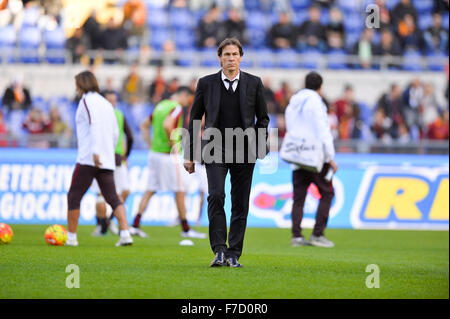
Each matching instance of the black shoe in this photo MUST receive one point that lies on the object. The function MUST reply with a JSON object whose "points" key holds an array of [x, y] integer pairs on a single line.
{"points": [[233, 262], [219, 260]]}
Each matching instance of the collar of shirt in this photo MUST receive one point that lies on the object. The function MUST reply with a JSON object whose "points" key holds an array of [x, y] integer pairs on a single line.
{"points": [[235, 79]]}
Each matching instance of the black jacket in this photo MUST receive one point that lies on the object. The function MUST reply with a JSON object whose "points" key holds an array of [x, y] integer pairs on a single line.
{"points": [[207, 101]]}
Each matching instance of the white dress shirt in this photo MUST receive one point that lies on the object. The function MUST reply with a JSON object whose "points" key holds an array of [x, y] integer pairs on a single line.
{"points": [[306, 115], [227, 84], [97, 131]]}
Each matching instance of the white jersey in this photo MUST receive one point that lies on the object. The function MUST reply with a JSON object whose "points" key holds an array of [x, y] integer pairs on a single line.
{"points": [[97, 131]]}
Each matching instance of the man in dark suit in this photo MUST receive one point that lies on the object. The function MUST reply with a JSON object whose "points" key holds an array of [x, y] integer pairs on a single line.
{"points": [[230, 100]]}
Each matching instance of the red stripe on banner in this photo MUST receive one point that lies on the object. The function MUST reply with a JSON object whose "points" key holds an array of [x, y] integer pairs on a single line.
{"points": [[87, 109]]}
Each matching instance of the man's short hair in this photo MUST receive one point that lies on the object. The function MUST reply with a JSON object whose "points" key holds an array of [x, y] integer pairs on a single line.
{"points": [[184, 89], [87, 82], [230, 41], [313, 81]]}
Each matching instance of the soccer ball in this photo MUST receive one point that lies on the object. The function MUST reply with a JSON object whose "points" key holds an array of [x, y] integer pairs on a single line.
{"points": [[56, 235], [6, 234]]}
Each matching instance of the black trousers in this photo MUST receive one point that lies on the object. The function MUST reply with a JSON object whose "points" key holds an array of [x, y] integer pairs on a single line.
{"points": [[241, 181], [301, 180]]}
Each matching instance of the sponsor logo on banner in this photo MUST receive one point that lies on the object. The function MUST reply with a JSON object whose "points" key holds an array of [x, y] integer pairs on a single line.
{"points": [[403, 198], [275, 202]]}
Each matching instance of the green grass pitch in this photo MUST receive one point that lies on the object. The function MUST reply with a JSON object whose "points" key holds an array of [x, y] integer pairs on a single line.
{"points": [[413, 264]]}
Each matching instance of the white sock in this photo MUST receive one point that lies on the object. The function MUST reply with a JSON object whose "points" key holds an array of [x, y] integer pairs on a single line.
{"points": [[71, 236], [124, 233]]}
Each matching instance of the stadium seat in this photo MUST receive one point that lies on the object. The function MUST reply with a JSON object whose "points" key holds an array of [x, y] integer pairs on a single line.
{"points": [[287, 59], [158, 37], [325, 17], [8, 39], [264, 58], [257, 38], [187, 57], [29, 41], [423, 6], [445, 21], [390, 4], [299, 17], [158, 19], [55, 43], [354, 22], [425, 21], [300, 5], [208, 58], [181, 19], [251, 5], [156, 4], [30, 17], [311, 59], [350, 6], [256, 20], [412, 61], [337, 60], [185, 39], [436, 61]]}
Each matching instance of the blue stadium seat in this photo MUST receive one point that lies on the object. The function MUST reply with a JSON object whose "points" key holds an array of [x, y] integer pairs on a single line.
{"points": [[156, 4], [325, 17], [185, 39], [288, 59], [251, 5], [423, 6], [425, 21], [8, 39], [390, 4], [158, 37], [350, 6], [337, 60], [158, 19], [257, 20], [299, 17], [354, 22], [437, 61], [311, 58], [351, 38], [208, 58], [30, 39], [298, 5], [412, 61], [181, 19], [257, 38], [187, 57], [30, 17], [55, 43], [445, 20], [264, 58]]}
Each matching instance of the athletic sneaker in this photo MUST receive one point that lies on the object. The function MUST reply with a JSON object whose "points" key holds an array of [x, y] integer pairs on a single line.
{"points": [[193, 234], [125, 241], [320, 241], [113, 228], [137, 232], [299, 241], [73, 243], [98, 231]]}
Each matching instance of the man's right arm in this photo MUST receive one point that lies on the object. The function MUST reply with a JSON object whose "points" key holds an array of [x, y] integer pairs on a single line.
{"points": [[197, 111]]}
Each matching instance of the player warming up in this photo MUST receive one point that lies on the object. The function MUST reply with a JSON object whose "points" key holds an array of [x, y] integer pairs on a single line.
{"points": [[165, 166], [97, 135]]}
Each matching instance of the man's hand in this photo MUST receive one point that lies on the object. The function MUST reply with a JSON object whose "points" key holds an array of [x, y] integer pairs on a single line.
{"points": [[189, 166], [97, 161], [334, 166]]}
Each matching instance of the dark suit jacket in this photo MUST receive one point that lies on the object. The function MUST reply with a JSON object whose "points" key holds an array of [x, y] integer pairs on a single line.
{"points": [[207, 101]]}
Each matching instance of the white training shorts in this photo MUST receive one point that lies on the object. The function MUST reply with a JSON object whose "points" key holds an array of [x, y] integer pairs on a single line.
{"points": [[121, 180], [202, 179], [166, 173]]}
